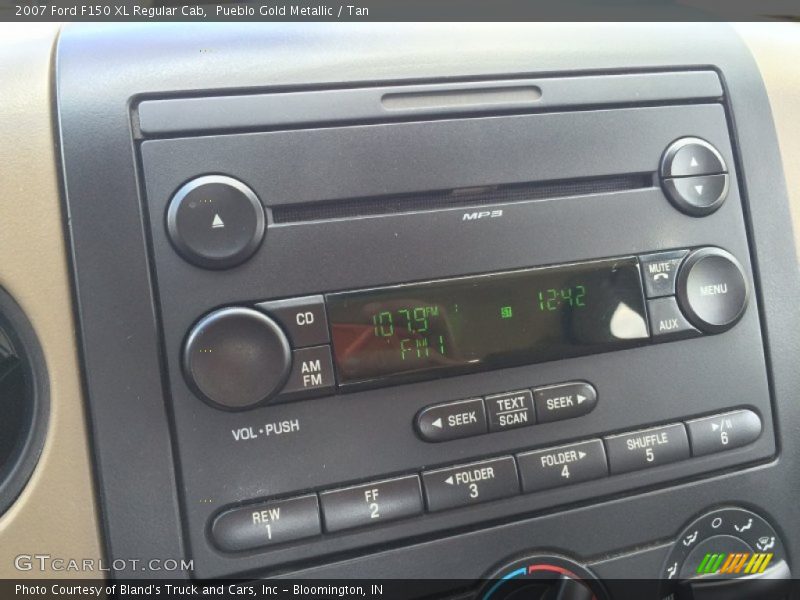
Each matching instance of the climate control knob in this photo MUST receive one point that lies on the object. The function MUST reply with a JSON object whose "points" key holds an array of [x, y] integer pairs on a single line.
{"points": [[542, 577], [236, 358]]}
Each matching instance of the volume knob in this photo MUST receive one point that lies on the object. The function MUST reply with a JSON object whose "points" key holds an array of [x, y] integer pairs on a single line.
{"points": [[236, 358]]}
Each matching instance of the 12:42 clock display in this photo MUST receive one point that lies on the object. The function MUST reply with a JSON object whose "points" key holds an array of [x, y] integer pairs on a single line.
{"points": [[552, 299]]}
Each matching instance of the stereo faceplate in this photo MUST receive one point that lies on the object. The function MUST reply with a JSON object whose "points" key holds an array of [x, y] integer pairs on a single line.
{"points": [[290, 450]]}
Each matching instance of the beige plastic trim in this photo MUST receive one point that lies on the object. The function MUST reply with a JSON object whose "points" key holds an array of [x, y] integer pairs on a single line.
{"points": [[776, 48], [55, 514]]}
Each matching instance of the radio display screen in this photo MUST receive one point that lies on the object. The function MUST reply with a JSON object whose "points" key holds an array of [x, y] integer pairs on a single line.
{"points": [[466, 324]]}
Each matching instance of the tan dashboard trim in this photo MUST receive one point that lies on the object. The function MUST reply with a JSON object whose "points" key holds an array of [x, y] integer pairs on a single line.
{"points": [[775, 47], [55, 514]]}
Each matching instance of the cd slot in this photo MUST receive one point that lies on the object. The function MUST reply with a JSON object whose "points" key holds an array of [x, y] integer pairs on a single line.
{"points": [[458, 197]]}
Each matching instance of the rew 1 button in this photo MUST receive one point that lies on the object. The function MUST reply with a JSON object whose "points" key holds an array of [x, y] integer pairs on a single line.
{"points": [[452, 420], [215, 222], [554, 467], [471, 484], [267, 524], [647, 448], [311, 375], [371, 503], [564, 401]]}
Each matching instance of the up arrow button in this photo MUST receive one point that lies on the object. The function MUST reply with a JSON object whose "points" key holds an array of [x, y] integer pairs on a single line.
{"points": [[564, 401]]}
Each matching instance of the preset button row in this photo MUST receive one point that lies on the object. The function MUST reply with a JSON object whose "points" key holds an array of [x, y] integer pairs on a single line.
{"points": [[509, 410], [286, 520], [586, 460]]}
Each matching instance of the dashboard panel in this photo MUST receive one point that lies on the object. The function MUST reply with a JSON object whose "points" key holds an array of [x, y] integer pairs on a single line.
{"points": [[394, 184]]}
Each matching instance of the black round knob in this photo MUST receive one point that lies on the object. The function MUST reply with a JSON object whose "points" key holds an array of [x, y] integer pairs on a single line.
{"points": [[236, 358], [215, 221], [712, 289]]}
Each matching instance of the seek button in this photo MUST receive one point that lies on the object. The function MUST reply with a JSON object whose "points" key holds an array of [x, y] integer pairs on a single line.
{"points": [[452, 420], [564, 401]]}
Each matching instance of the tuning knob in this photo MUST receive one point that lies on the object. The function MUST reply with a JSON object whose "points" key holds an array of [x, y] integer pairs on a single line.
{"points": [[712, 289], [236, 358]]}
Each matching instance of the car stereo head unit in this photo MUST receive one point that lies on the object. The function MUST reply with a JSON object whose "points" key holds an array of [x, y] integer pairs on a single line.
{"points": [[381, 328]]}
